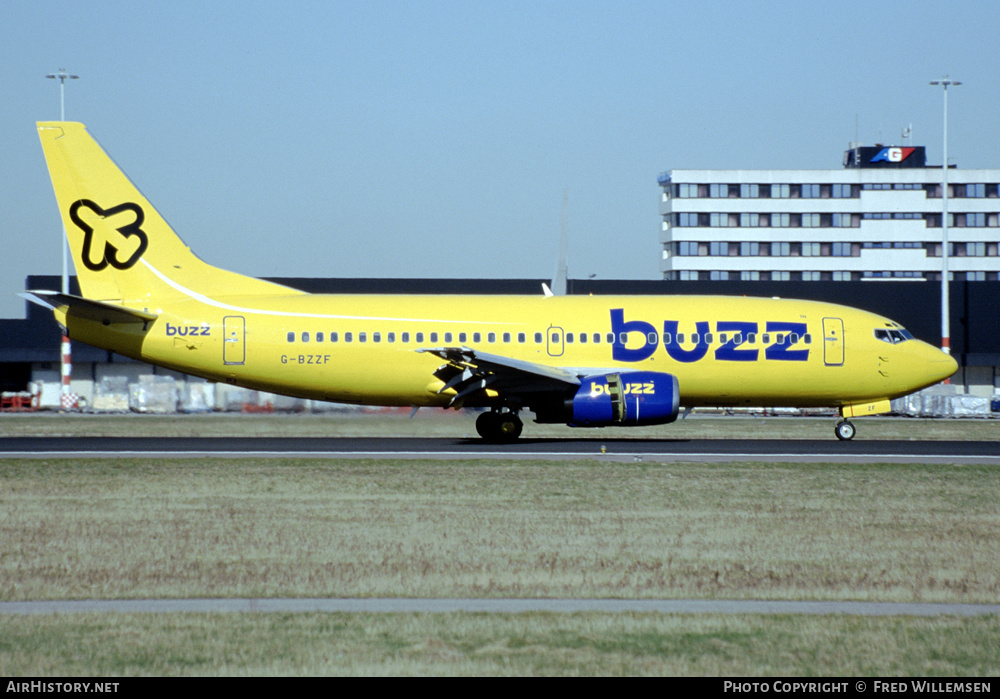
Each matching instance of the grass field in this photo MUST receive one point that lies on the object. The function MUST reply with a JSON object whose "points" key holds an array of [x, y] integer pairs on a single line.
{"points": [[271, 527], [497, 644], [134, 528]]}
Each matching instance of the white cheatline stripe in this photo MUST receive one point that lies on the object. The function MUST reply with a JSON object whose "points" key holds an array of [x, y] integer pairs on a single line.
{"points": [[239, 309]]}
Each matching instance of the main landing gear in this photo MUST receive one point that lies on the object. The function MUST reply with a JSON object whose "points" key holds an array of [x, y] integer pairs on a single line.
{"points": [[844, 430], [499, 426]]}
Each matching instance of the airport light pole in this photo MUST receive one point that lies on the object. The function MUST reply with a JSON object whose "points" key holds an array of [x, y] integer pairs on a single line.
{"points": [[945, 310], [67, 401]]}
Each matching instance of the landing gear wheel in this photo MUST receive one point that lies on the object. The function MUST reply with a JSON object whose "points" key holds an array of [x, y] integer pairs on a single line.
{"points": [[499, 427], [486, 425], [844, 430], [510, 426]]}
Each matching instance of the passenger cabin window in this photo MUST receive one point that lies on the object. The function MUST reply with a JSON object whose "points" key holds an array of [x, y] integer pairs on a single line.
{"points": [[291, 337], [305, 337]]}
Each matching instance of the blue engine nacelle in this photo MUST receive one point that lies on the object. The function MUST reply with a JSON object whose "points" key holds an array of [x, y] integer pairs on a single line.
{"points": [[627, 398]]}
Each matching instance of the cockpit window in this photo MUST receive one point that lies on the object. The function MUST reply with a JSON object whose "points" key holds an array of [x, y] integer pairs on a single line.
{"points": [[894, 336]]}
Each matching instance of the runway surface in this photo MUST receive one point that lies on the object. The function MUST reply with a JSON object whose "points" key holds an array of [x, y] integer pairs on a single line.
{"points": [[701, 450], [509, 606]]}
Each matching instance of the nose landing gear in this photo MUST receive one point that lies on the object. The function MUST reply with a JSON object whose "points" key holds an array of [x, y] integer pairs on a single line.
{"points": [[844, 430], [499, 426]]}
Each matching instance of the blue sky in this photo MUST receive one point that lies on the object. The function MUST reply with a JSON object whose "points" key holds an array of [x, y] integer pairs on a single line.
{"points": [[435, 139]]}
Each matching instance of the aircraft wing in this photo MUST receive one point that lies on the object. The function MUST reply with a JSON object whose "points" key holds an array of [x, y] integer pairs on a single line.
{"points": [[87, 308], [468, 371]]}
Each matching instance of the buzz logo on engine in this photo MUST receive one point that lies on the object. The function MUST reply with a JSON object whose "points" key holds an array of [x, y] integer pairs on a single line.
{"points": [[625, 398], [630, 389]]}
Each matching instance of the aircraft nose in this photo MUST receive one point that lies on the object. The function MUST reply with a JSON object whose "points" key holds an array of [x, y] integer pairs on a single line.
{"points": [[939, 364]]}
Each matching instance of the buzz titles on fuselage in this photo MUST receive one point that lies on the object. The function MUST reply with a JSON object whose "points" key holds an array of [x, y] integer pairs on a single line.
{"points": [[732, 334]]}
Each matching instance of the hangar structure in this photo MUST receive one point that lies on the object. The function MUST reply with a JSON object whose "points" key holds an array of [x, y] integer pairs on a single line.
{"points": [[30, 348]]}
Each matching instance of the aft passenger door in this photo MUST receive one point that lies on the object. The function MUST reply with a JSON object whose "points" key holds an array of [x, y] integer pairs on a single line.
{"points": [[833, 341], [233, 340]]}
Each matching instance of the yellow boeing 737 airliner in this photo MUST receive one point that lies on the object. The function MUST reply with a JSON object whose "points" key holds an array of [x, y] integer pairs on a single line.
{"points": [[587, 361]]}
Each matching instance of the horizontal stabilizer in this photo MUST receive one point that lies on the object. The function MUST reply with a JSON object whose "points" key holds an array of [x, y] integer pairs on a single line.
{"points": [[88, 309]]}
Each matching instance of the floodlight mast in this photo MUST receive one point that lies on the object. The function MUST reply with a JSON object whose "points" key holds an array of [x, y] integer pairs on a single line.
{"points": [[945, 310], [67, 401]]}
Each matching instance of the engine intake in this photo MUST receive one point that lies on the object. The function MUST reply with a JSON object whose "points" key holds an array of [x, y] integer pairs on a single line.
{"points": [[627, 398]]}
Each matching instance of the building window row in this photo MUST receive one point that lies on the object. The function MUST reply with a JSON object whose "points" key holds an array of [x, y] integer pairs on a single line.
{"points": [[688, 219], [765, 191], [693, 248], [979, 190], [978, 249], [812, 275]]}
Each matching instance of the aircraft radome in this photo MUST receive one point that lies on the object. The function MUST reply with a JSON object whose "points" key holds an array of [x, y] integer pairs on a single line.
{"points": [[586, 361]]}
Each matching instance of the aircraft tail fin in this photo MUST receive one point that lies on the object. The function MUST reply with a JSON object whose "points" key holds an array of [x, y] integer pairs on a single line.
{"points": [[123, 249]]}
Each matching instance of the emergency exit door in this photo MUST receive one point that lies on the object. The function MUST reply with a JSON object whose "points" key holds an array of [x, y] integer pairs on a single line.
{"points": [[554, 341]]}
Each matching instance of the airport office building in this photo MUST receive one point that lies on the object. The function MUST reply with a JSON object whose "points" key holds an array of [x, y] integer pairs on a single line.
{"points": [[867, 235], [879, 217]]}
